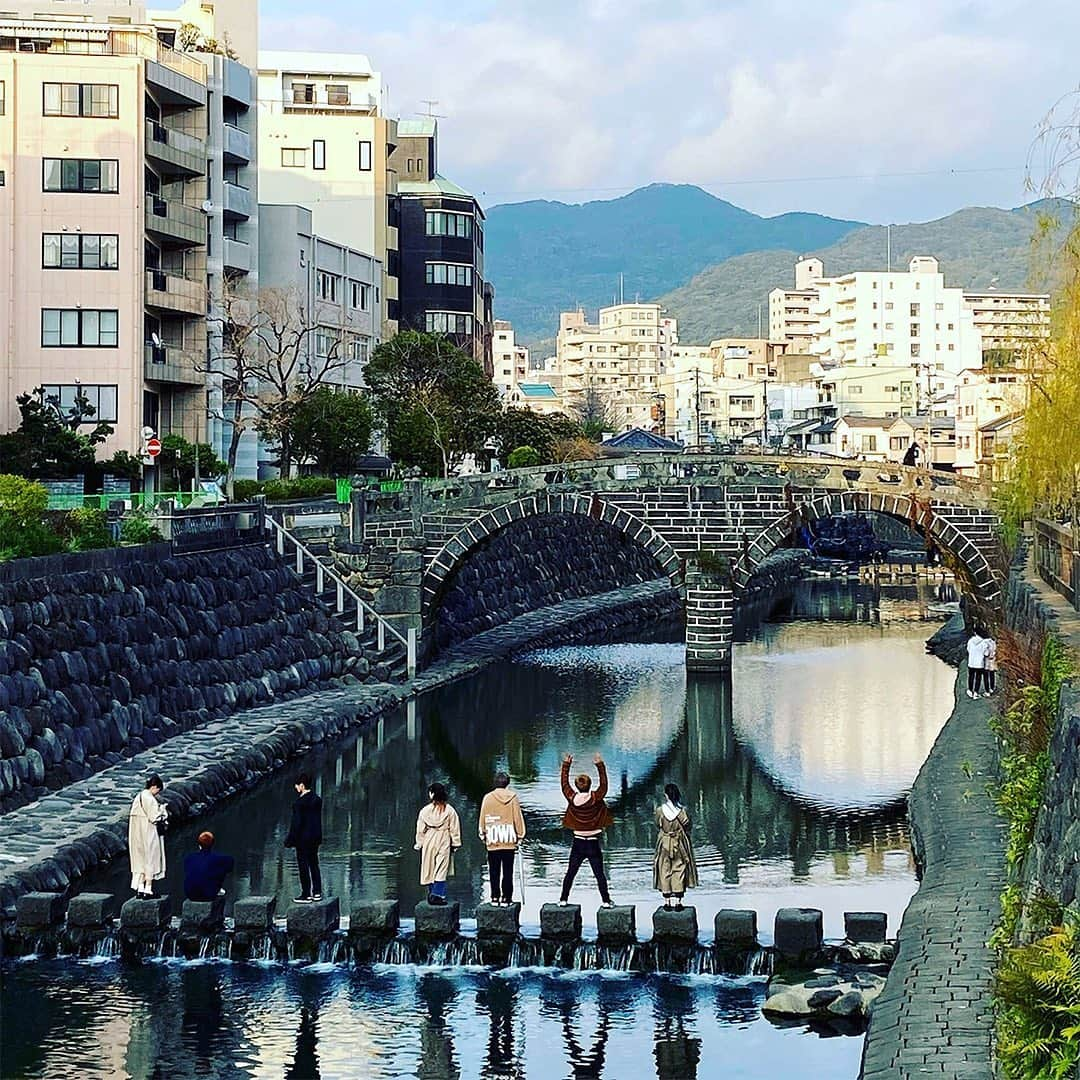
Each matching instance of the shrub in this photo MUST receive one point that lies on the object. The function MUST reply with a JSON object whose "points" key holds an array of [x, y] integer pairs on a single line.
{"points": [[523, 457], [244, 490], [87, 529], [138, 528], [23, 530], [712, 563], [301, 487], [123, 464]]}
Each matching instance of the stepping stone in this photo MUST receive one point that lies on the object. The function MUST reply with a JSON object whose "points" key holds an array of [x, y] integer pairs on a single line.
{"points": [[865, 926], [735, 927], [616, 925], [37, 910], [140, 913], [560, 923], [375, 918], [675, 927], [438, 920], [497, 920], [202, 916], [254, 913], [318, 919], [91, 911], [797, 932]]}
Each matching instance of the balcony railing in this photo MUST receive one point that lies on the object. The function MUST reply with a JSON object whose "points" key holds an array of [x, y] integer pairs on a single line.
{"points": [[237, 143], [185, 152], [238, 200], [175, 293], [237, 254], [175, 220], [171, 364]]}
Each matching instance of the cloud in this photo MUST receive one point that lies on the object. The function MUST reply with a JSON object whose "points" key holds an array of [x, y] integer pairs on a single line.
{"points": [[580, 100]]}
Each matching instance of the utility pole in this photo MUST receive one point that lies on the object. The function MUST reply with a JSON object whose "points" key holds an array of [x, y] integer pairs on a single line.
{"points": [[765, 418], [697, 404], [888, 247]]}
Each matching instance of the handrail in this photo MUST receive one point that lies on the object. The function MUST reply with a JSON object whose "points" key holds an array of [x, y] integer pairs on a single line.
{"points": [[408, 639]]}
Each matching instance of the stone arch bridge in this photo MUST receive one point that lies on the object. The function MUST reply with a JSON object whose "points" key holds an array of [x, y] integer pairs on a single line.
{"points": [[670, 508]]}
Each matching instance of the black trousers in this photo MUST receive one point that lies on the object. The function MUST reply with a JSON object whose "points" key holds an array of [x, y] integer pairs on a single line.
{"points": [[501, 872], [989, 679], [579, 852], [307, 863], [975, 679]]}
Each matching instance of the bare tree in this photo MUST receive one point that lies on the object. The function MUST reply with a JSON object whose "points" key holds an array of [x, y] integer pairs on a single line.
{"points": [[592, 409], [268, 362]]}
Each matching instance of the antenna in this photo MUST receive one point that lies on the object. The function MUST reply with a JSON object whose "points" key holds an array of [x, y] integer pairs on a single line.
{"points": [[430, 110]]}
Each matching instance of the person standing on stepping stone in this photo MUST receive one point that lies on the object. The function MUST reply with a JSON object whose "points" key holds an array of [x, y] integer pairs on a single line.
{"points": [[147, 822], [674, 868], [502, 828], [305, 835], [438, 836], [587, 815]]}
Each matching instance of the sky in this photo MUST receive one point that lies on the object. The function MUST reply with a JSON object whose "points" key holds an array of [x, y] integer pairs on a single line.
{"points": [[876, 110]]}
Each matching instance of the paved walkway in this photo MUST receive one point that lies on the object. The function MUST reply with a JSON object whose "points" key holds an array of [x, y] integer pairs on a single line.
{"points": [[48, 844], [934, 1017]]}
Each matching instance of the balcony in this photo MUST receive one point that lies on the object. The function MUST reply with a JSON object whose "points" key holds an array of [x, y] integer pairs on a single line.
{"points": [[237, 146], [171, 364], [177, 152], [237, 255], [170, 292], [174, 221], [237, 82], [238, 200]]}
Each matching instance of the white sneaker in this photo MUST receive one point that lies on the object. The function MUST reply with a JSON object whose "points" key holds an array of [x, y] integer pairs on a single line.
{"points": [[564, 903]]}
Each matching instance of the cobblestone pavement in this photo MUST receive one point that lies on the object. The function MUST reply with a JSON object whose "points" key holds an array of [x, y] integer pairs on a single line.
{"points": [[934, 1017], [50, 843]]}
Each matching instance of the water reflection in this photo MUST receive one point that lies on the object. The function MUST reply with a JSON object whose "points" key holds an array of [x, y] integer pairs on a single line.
{"points": [[794, 773]]}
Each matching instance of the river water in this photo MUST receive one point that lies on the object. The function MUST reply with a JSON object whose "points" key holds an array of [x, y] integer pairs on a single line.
{"points": [[794, 772]]}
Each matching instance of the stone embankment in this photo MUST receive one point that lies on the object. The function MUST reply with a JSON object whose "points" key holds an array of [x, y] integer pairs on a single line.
{"points": [[106, 654]]}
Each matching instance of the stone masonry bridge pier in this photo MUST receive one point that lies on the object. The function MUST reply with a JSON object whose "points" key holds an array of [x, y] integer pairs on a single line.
{"points": [[455, 557]]}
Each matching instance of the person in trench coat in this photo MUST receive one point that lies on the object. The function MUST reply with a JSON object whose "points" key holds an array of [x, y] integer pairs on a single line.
{"points": [[674, 868], [438, 836], [146, 846]]}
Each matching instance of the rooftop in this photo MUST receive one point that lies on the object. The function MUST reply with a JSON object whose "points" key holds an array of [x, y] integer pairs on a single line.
{"points": [[936, 423], [419, 127], [315, 63], [640, 439], [869, 421], [537, 391], [438, 185]]}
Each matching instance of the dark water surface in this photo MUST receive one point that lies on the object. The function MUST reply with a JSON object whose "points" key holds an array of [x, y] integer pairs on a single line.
{"points": [[794, 773]]}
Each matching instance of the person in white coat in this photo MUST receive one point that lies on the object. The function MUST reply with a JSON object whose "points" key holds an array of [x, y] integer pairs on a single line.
{"points": [[146, 843]]}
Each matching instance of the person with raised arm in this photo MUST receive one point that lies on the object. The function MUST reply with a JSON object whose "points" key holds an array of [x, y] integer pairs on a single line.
{"points": [[587, 815]]}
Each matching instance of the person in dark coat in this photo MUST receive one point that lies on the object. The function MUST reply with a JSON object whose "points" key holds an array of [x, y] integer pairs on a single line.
{"points": [[305, 835], [587, 815], [205, 871]]}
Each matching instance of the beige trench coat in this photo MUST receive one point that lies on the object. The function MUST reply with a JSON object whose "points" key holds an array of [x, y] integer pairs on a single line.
{"points": [[146, 849], [674, 868], [437, 833]]}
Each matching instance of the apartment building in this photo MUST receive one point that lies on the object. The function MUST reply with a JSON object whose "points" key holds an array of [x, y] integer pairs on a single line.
{"points": [[619, 359], [1009, 324], [983, 399], [324, 143], [791, 316], [885, 391], [442, 288], [510, 360], [103, 220]]}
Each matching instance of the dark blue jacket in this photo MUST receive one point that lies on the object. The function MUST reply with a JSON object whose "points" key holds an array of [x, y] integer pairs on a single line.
{"points": [[204, 874], [305, 830]]}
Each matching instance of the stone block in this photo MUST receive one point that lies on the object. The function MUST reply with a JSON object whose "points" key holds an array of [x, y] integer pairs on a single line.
{"points": [[438, 920], [254, 913], [318, 919], [397, 599], [202, 916], [797, 931], [675, 927], [560, 923], [140, 913], [865, 926], [91, 911], [616, 925], [498, 921], [375, 918], [39, 909], [735, 927]]}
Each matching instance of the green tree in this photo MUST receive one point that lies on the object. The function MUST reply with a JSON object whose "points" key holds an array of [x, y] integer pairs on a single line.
{"points": [[437, 403], [331, 428], [23, 531], [176, 463], [523, 457], [523, 427], [48, 443]]}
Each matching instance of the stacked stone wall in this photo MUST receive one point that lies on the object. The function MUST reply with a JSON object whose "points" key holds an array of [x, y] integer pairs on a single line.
{"points": [[107, 653]]}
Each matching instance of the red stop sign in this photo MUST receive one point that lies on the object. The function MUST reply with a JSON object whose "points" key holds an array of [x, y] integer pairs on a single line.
{"points": [[153, 447]]}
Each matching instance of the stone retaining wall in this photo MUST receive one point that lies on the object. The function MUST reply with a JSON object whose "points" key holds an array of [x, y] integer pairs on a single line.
{"points": [[107, 653]]}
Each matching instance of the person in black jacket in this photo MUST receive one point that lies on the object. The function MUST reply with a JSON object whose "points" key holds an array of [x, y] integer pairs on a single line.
{"points": [[305, 835], [205, 871]]}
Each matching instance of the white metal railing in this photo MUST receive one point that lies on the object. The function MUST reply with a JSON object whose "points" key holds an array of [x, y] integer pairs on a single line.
{"points": [[363, 609]]}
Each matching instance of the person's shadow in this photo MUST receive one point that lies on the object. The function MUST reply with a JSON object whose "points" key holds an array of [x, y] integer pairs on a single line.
{"points": [[585, 1065], [677, 1054], [305, 1061], [437, 1055]]}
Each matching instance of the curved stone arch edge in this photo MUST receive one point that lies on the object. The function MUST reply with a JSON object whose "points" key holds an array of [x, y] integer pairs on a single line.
{"points": [[899, 507], [466, 540]]}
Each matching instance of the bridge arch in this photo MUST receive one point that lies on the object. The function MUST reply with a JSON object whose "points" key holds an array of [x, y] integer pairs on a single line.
{"points": [[455, 551], [965, 533]]}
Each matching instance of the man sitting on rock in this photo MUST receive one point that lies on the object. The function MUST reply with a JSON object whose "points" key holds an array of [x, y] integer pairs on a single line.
{"points": [[205, 872]]}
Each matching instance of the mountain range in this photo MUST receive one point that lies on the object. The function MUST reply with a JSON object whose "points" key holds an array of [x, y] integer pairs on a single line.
{"points": [[710, 263]]}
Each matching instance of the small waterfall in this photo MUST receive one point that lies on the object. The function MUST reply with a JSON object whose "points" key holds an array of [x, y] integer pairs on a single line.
{"points": [[332, 951], [167, 946], [524, 953], [458, 952], [106, 947], [702, 961], [395, 951], [760, 962]]}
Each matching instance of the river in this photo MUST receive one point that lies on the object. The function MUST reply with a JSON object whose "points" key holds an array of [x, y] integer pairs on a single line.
{"points": [[794, 772]]}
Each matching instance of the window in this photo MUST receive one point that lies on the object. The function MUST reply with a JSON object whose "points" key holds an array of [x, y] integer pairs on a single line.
{"points": [[437, 273], [447, 322], [101, 398], [293, 157], [914, 311], [326, 286], [1, 97], [951, 326], [915, 348], [939, 307], [318, 154], [357, 349], [443, 223], [81, 99], [897, 442], [337, 93], [90, 175], [365, 155], [303, 93], [326, 343], [869, 444], [856, 389], [359, 295], [914, 329], [79, 251], [86, 328]]}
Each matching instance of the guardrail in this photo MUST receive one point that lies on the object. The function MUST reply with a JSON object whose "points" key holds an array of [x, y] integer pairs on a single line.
{"points": [[132, 500], [1057, 558], [211, 527], [364, 610]]}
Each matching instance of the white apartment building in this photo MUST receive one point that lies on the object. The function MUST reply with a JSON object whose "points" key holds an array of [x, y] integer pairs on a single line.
{"points": [[1010, 323], [743, 358], [791, 316], [886, 391], [620, 358], [511, 361], [983, 398], [324, 143]]}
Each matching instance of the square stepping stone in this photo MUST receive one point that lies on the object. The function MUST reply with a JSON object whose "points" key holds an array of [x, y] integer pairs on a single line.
{"points": [[865, 926], [438, 920], [254, 913], [675, 927], [36, 910], [318, 919], [734, 926], [375, 918], [91, 911], [140, 913], [560, 922], [497, 920], [202, 916], [797, 931], [616, 925]]}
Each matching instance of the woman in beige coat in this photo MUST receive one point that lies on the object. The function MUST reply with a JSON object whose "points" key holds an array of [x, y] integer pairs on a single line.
{"points": [[438, 836], [674, 868], [146, 846]]}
